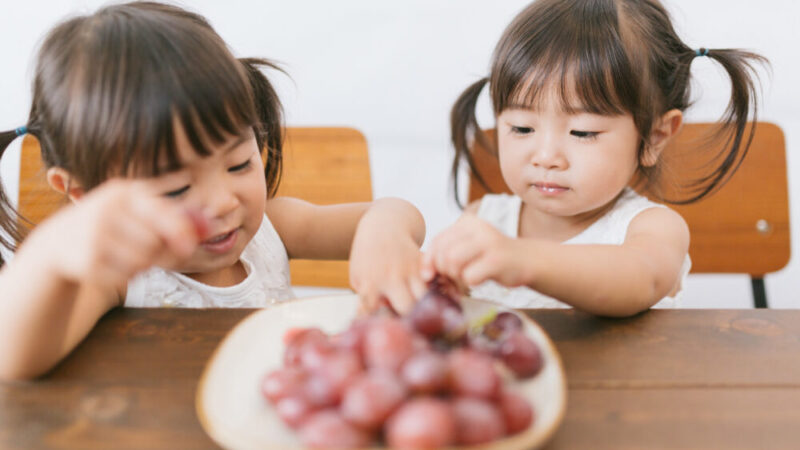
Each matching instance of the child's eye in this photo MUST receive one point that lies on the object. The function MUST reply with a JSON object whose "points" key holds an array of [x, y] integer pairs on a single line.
{"points": [[240, 167], [176, 192], [521, 130], [584, 134]]}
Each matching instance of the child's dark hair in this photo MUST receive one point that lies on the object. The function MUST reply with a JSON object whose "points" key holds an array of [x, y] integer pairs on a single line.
{"points": [[614, 57], [109, 85]]}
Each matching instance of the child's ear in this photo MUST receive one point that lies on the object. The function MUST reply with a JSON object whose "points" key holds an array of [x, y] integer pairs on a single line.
{"points": [[664, 129], [62, 181]]}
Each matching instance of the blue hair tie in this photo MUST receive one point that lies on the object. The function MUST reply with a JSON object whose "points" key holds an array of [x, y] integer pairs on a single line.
{"points": [[701, 52], [21, 130]]}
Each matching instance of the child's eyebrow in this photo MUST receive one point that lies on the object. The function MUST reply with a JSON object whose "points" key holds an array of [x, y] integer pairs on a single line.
{"points": [[237, 142], [571, 109], [521, 106]]}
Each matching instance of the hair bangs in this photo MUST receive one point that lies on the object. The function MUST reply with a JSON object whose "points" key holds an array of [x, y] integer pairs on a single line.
{"points": [[199, 86], [569, 55]]}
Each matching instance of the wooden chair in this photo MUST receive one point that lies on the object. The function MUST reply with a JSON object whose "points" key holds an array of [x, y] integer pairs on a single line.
{"points": [[742, 228], [321, 165]]}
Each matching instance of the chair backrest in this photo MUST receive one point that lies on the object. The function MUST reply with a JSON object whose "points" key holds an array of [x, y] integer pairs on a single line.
{"points": [[325, 166], [742, 228], [321, 165]]}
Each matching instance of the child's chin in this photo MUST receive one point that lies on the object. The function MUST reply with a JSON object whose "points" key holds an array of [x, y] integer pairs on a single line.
{"points": [[211, 264]]}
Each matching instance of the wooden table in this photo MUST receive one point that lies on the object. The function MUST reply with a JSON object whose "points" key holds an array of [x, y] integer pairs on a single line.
{"points": [[665, 379]]}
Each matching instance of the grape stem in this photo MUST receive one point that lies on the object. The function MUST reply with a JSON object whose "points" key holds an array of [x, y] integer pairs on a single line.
{"points": [[478, 323]]}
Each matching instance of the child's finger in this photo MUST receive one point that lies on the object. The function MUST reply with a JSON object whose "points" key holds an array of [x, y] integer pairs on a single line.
{"points": [[400, 297], [419, 286], [477, 272], [426, 267], [362, 307], [462, 287], [171, 223], [387, 305], [368, 302], [459, 256], [180, 229], [443, 243], [132, 231], [444, 261]]}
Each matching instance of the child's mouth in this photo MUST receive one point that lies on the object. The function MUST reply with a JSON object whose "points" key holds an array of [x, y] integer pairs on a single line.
{"points": [[549, 188], [221, 243]]}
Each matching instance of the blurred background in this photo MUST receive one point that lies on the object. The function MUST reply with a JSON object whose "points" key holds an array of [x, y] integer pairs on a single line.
{"points": [[392, 69]]}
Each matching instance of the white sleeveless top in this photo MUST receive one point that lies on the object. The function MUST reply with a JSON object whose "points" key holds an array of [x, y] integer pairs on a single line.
{"points": [[502, 211], [267, 282]]}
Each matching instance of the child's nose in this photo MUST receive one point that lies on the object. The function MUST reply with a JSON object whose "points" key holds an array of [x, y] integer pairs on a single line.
{"points": [[548, 154], [220, 201]]}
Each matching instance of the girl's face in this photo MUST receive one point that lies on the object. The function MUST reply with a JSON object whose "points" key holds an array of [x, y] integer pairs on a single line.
{"points": [[566, 164], [229, 188]]}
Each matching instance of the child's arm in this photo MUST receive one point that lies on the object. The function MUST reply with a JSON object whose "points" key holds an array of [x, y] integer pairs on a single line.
{"points": [[381, 238], [43, 316], [73, 267], [609, 280]]}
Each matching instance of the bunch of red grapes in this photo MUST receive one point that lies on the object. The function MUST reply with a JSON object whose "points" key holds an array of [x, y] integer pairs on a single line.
{"points": [[425, 380]]}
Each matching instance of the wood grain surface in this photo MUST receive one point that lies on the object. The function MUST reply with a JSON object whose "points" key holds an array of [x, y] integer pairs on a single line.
{"points": [[663, 379]]}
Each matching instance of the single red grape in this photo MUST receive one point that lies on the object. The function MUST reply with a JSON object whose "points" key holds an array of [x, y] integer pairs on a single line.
{"points": [[294, 410], [353, 337], [473, 374], [421, 423], [517, 412], [477, 421], [455, 326], [314, 353], [283, 382], [425, 372], [326, 383], [388, 343], [371, 398], [503, 323], [296, 340], [328, 429], [520, 354], [426, 316]]}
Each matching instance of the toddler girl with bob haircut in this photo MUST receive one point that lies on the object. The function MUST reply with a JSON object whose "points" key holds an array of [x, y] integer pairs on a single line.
{"points": [[157, 133]]}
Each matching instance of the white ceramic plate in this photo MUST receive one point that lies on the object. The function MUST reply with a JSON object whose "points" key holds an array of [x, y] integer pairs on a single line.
{"points": [[234, 413]]}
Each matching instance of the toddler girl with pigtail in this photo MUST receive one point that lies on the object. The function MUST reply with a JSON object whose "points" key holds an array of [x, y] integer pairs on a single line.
{"points": [[586, 95], [156, 133]]}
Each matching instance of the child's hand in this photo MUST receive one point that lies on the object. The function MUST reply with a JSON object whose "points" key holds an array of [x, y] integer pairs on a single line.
{"points": [[386, 267], [473, 251], [115, 231]]}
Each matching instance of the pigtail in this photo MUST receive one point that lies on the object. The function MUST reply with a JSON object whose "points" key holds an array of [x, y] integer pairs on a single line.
{"points": [[269, 113], [743, 106], [464, 130], [11, 231]]}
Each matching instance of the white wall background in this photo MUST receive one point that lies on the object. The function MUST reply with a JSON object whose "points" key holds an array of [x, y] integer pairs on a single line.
{"points": [[393, 68]]}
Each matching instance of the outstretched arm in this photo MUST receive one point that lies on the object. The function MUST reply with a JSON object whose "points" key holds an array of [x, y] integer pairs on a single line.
{"points": [[381, 238], [608, 280]]}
